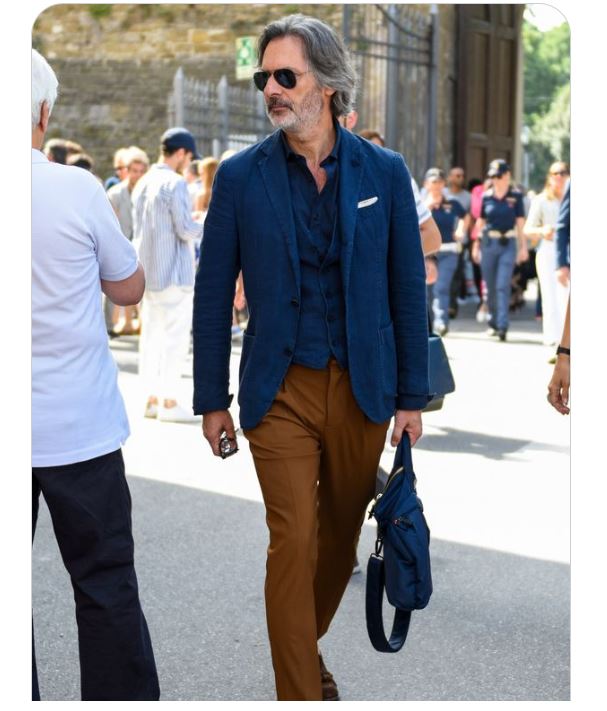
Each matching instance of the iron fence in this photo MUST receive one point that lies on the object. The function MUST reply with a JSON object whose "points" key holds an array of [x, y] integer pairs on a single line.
{"points": [[220, 116], [394, 49]]}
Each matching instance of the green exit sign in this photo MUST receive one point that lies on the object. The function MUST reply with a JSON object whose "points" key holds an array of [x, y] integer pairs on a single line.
{"points": [[246, 57]]}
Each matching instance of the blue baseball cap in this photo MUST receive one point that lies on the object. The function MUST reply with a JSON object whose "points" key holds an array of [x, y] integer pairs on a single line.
{"points": [[178, 137]]}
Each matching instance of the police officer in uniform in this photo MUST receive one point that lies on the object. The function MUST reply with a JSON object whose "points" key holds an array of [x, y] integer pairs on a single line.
{"points": [[502, 243], [451, 220]]}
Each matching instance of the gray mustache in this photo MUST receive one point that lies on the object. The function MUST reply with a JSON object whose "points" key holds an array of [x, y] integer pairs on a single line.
{"points": [[274, 103]]}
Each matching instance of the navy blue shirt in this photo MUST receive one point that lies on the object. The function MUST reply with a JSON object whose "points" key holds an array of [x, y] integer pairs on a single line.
{"points": [[501, 214], [446, 217], [313, 211], [321, 329]]}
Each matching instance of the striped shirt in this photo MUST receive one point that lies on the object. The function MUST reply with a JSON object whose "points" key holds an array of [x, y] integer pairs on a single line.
{"points": [[163, 228]]}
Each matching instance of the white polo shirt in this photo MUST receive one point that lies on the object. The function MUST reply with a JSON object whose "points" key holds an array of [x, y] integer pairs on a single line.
{"points": [[77, 409]]}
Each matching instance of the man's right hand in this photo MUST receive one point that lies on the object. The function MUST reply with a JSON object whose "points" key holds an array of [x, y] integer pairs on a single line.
{"points": [[214, 424]]}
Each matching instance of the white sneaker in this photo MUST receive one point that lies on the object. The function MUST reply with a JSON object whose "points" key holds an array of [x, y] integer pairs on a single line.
{"points": [[176, 414]]}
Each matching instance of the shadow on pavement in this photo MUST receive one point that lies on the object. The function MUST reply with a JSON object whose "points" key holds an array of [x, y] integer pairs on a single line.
{"points": [[489, 446], [497, 627]]}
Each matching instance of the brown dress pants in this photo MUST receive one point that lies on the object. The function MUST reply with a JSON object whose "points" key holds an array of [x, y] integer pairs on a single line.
{"points": [[316, 456]]}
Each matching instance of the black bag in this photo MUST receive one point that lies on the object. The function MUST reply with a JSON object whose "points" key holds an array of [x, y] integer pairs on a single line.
{"points": [[439, 373], [404, 569]]}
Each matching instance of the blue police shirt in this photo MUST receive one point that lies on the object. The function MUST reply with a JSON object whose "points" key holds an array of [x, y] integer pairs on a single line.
{"points": [[446, 216], [321, 329], [501, 214]]}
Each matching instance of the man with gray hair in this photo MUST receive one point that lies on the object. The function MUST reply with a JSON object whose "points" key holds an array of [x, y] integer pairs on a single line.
{"points": [[78, 417], [324, 227]]}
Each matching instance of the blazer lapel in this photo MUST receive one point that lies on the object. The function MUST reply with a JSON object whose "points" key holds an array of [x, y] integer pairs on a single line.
{"points": [[273, 167], [350, 176]]}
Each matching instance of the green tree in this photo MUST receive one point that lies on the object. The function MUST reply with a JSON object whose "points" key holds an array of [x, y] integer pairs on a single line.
{"points": [[547, 66], [547, 71], [550, 138]]}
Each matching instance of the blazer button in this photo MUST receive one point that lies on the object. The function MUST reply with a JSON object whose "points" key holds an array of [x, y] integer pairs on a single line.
{"points": [[288, 352], [295, 302]]}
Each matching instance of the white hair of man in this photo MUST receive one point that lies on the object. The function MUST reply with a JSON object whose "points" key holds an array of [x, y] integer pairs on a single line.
{"points": [[44, 86], [121, 157]]}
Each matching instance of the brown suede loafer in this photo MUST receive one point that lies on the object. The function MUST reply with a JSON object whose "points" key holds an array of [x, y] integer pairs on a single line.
{"points": [[329, 687]]}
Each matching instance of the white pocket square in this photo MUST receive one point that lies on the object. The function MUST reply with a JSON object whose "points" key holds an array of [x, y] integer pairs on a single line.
{"points": [[367, 202]]}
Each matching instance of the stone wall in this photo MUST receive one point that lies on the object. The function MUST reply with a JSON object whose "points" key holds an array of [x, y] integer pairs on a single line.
{"points": [[116, 64], [158, 32]]}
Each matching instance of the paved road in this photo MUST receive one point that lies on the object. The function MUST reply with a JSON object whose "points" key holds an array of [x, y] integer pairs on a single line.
{"points": [[493, 474]]}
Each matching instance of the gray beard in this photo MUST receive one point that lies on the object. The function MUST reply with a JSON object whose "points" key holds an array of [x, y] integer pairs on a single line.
{"points": [[308, 114]]}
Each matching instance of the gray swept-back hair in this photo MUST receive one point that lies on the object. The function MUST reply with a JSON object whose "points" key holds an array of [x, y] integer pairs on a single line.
{"points": [[44, 86], [325, 52]]}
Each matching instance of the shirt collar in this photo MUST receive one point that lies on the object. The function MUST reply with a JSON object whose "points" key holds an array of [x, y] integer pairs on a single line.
{"points": [[38, 156], [291, 155]]}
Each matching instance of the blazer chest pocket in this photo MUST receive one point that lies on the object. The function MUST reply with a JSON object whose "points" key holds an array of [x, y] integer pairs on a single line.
{"points": [[368, 208]]}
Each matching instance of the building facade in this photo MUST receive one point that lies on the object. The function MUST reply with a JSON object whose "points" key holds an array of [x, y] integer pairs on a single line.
{"points": [[443, 82]]}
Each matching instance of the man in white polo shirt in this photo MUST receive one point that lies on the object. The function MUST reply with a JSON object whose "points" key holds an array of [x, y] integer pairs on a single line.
{"points": [[78, 416]]}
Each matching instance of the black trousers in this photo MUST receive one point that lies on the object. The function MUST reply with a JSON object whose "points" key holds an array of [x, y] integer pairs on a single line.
{"points": [[90, 507]]}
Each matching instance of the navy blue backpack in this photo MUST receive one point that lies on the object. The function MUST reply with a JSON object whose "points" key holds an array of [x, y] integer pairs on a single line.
{"points": [[401, 562]]}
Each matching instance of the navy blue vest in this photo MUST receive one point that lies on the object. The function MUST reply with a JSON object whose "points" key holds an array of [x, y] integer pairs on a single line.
{"points": [[321, 330], [322, 322]]}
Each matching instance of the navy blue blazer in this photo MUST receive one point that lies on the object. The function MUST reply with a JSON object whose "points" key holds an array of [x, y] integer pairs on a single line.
{"points": [[250, 226], [563, 231]]}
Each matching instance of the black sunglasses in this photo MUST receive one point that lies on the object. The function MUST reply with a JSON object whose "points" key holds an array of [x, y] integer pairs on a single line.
{"points": [[287, 78]]}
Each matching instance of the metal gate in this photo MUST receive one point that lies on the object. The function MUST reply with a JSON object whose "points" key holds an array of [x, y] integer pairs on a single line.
{"points": [[394, 48], [220, 116]]}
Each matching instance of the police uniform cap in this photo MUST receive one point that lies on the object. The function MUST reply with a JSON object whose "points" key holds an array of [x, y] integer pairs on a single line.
{"points": [[497, 168]]}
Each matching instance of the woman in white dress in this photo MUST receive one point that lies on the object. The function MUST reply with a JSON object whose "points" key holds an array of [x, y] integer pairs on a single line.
{"points": [[540, 228]]}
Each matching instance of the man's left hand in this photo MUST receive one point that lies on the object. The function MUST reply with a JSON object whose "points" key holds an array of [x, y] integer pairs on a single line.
{"points": [[409, 421], [558, 387]]}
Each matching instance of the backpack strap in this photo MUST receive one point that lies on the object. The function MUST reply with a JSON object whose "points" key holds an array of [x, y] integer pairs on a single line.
{"points": [[376, 583], [403, 457]]}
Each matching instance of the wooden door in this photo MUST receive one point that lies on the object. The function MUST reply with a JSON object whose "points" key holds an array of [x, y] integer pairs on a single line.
{"points": [[489, 39]]}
